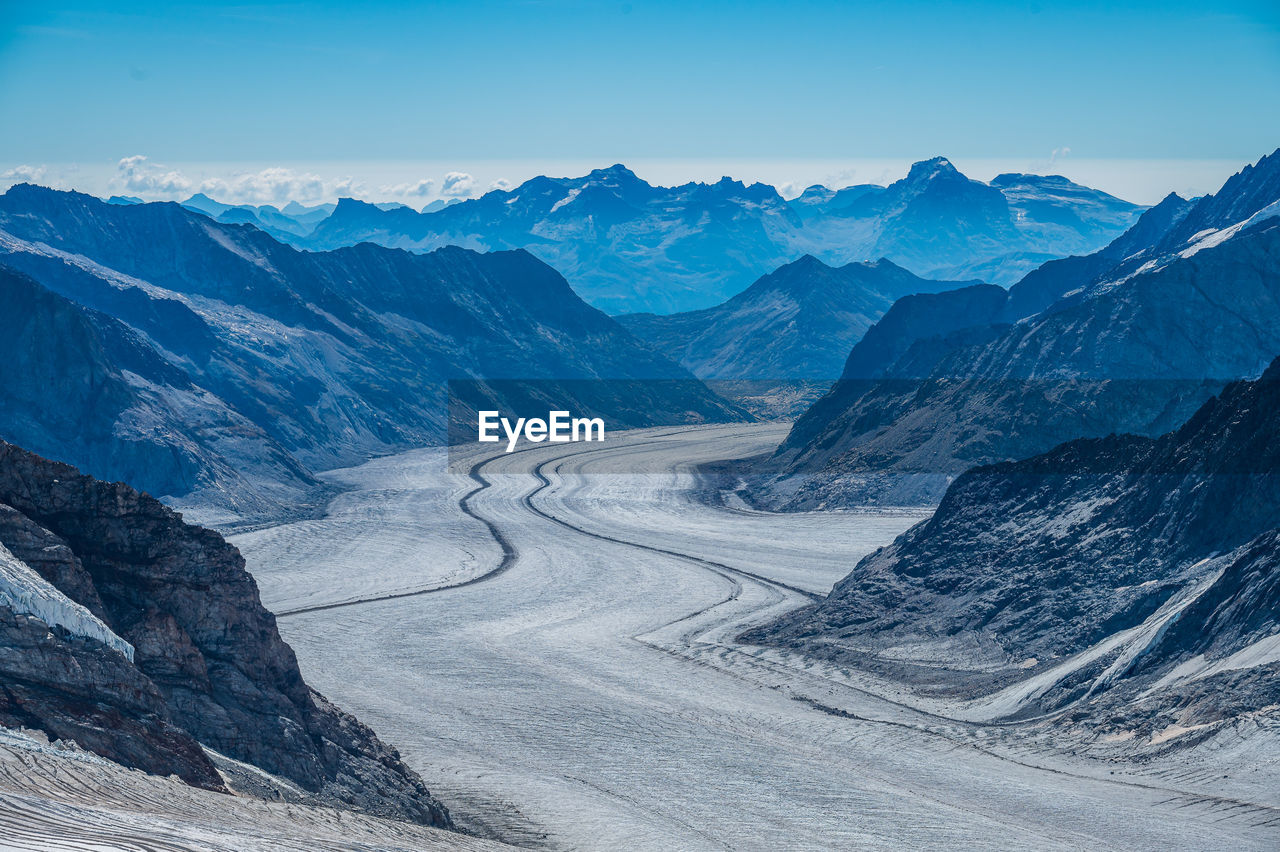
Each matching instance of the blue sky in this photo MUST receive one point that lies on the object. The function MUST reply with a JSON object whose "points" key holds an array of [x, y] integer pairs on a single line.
{"points": [[215, 91]]}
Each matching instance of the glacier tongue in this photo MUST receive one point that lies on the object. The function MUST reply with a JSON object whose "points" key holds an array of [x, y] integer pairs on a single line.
{"points": [[26, 592]]}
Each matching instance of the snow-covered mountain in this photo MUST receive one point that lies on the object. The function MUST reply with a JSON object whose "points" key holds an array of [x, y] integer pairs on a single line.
{"points": [[1132, 338], [24, 592], [1131, 580], [626, 246], [213, 363]]}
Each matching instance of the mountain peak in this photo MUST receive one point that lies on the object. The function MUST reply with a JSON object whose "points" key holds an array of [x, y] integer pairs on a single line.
{"points": [[929, 169], [26, 190], [348, 205], [352, 210], [884, 263], [1016, 178], [1268, 163], [804, 263], [617, 171], [1248, 191], [204, 204]]}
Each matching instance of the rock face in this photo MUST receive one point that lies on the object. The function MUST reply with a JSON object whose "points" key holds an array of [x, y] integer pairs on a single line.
{"points": [[628, 247], [1132, 339], [211, 363], [76, 689], [797, 322], [1116, 564], [209, 665]]}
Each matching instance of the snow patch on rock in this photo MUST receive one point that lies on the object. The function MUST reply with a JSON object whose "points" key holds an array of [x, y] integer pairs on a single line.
{"points": [[1213, 238], [27, 593]]}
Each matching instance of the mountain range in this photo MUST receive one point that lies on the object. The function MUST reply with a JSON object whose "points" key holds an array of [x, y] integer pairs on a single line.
{"points": [[290, 221], [629, 247], [1132, 338], [294, 219], [211, 364]]}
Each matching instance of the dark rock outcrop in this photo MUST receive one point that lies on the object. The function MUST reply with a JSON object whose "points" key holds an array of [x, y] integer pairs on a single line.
{"points": [[209, 664], [74, 688]]}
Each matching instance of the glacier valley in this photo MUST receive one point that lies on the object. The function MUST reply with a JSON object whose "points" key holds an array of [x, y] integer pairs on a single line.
{"points": [[553, 645]]}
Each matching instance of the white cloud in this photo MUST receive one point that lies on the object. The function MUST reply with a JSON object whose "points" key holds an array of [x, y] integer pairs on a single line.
{"points": [[274, 185], [457, 185], [421, 189], [24, 174], [502, 184], [838, 179], [1058, 153], [277, 185], [139, 176], [347, 187]]}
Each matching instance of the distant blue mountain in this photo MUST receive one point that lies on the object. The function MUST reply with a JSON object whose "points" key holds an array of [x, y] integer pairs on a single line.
{"points": [[941, 224], [293, 221], [795, 323], [626, 246]]}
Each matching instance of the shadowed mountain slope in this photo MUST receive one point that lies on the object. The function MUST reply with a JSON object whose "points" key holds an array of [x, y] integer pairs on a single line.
{"points": [[797, 322]]}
